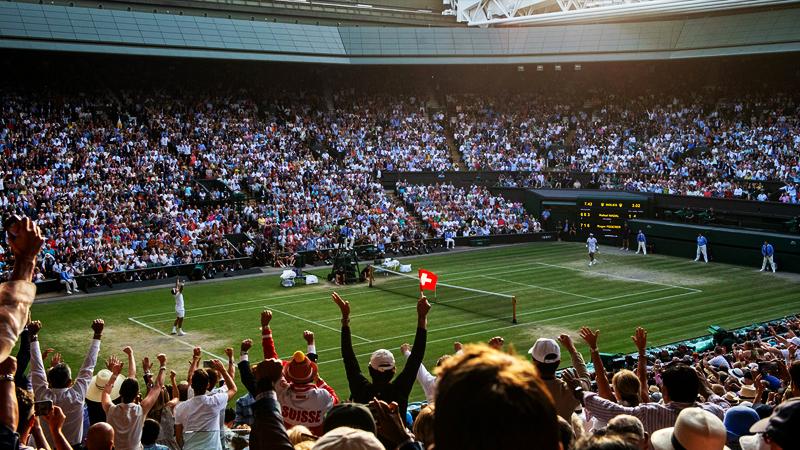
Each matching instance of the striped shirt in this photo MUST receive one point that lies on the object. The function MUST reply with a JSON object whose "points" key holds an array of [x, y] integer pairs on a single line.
{"points": [[654, 416]]}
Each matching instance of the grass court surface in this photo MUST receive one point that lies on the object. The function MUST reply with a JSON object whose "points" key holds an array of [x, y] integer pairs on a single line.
{"points": [[556, 291]]}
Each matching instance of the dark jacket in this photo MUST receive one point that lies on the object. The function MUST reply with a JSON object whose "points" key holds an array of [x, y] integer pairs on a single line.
{"points": [[363, 391], [267, 432]]}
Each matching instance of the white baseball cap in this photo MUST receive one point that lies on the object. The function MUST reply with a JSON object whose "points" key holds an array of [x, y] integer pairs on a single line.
{"points": [[545, 351], [382, 360]]}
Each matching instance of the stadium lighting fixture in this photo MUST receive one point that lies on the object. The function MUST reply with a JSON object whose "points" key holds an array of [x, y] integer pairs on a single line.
{"points": [[578, 67], [539, 68], [558, 67]]}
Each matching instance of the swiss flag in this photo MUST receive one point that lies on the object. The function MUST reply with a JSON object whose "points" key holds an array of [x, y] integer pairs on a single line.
{"points": [[427, 280]]}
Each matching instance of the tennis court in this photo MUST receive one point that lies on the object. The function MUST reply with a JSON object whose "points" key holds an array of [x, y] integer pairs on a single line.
{"points": [[555, 290]]}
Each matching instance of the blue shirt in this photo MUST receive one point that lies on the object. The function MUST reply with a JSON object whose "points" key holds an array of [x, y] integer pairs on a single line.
{"points": [[640, 237], [767, 250], [701, 240]]}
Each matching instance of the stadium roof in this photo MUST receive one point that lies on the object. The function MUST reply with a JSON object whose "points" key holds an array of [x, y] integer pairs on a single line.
{"points": [[80, 29], [550, 12]]}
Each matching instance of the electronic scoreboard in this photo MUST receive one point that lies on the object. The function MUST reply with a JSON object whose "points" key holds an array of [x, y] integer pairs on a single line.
{"points": [[606, 217]]}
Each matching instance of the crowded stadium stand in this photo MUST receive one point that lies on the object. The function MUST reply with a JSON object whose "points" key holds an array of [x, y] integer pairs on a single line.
{"points": [[240, 153]]}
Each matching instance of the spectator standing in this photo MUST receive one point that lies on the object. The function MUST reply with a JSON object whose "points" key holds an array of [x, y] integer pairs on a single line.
{"points": [[197, 424], [546, 355], [58, 385], [384, 385], [127, 418]]}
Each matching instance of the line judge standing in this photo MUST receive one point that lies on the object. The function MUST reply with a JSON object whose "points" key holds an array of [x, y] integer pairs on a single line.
{"points": [[767, 251], [702, 249], [642, 240]]}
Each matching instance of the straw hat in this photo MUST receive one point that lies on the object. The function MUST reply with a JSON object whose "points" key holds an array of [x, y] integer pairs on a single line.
{"points": [[95, 390]]}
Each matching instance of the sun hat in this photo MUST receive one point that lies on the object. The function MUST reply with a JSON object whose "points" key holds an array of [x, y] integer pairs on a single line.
{"points": [[95, 390], [738, 421], [695, 429]]}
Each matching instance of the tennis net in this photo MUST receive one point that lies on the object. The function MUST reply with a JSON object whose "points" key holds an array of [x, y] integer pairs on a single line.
{"points": [[459, 298]]}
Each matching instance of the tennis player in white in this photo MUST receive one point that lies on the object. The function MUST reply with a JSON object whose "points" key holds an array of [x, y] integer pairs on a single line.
{"points": [[591, 244], [177, 291]]}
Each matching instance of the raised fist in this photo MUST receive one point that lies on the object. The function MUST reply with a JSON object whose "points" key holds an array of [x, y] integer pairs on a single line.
{"points": [[266, 317], [34, 327], [98, 326]]}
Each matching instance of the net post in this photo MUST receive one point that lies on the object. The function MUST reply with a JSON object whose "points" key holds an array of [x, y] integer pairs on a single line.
{"points": [[514, 309]]}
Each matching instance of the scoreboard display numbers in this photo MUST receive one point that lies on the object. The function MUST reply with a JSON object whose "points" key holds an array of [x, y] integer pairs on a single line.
{"points": [[607, 217]]}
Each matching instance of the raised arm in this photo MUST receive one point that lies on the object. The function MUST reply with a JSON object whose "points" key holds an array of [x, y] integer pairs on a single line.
{"points": [[16, 296], [425, 379], [105, 397], [245, 373], [193, 364], [229, 383], [87, 368], [575, 356], [640, 339], [38, 375], [406, 378], [267, 342], [311, 349], [603, 386], [153, 394], [231, 365], [131, 362], [23, 359]]}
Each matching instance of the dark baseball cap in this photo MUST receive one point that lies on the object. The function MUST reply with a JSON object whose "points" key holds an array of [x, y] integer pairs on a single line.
{"points": [[353, 415], [782, 425]]}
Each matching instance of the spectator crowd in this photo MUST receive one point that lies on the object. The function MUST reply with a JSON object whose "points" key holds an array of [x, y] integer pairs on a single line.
{"points": [[120, 183]]}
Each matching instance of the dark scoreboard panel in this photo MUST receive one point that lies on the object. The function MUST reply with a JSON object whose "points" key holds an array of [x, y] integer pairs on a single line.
{"points": [[607, 217]]}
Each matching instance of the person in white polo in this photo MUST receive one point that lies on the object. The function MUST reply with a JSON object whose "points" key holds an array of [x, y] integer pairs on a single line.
{"points": [[197, 419]]}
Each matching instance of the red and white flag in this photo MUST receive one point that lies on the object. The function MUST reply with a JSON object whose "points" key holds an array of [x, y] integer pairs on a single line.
{"points": [[427, 280]]}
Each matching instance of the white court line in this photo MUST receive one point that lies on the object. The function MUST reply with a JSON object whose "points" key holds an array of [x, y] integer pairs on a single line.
{"points": [[176, 338], [459, 336], [319, 324], [539, 287], [639, 293], [306, 300], [620, 277], [296, 294]]}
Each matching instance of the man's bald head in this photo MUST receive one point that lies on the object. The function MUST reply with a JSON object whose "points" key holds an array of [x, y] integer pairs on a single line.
{"points": [[101, 437]]}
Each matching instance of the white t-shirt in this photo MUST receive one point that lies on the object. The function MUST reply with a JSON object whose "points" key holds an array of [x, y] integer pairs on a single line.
{"points": [[127, 420], [179, 301], [591, 243], [199, 417]]}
